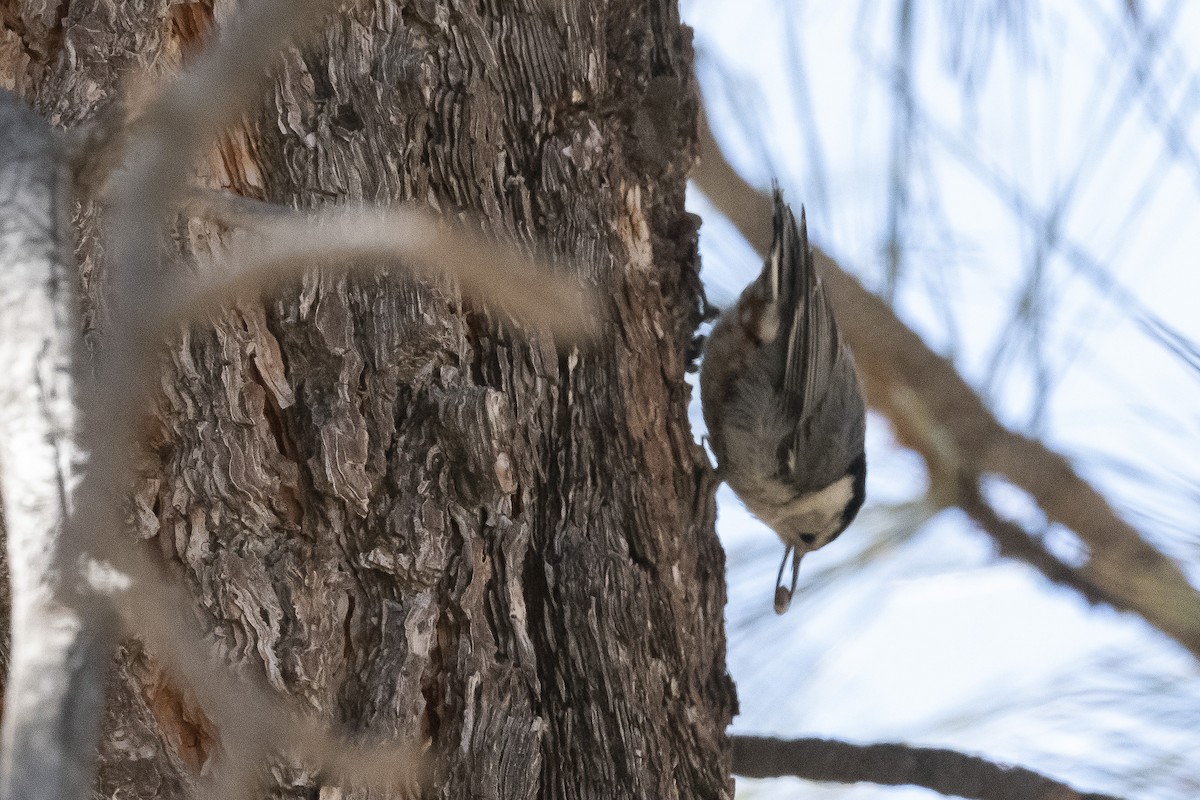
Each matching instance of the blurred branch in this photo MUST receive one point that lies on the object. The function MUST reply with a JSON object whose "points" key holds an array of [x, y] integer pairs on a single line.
{"points": [[1014, 541], [797, 75], [277, 243], [1079, 257], [947, 772], [902, 147], [934, 411], [179, 118]]}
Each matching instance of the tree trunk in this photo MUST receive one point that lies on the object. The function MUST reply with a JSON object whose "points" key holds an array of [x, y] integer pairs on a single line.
{"points": [[413, 518]]}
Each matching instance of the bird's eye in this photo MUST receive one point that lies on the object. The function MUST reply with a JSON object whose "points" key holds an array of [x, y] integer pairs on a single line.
{"points": [[808, 538]]}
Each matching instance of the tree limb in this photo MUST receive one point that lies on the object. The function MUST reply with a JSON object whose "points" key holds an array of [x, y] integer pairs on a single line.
{"points": [[934, 411], [1014, 542], [947, 772], [285, 242]]}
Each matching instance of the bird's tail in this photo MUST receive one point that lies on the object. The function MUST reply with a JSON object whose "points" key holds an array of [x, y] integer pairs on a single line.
{"points": [[806, 319], [790, 274]]}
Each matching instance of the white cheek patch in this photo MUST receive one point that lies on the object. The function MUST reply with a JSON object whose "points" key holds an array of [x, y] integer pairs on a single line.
{"points": [[818, 513]]}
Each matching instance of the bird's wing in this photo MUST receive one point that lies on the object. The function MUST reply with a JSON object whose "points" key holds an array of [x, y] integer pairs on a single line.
{"points": [[813, 345]]}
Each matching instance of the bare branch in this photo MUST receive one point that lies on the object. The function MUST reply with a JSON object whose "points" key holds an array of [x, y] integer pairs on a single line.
{"points": [[288, 242], [61, 643], [1014, 542], [935, 411], [94, 149], [947, 772]]}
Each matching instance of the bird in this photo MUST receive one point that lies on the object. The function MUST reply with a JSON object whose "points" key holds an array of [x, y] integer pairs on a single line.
{"points": [[783, 405]]}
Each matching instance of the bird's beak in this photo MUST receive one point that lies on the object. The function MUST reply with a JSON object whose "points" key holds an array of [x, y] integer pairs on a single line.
{"points": [[783, 597]]}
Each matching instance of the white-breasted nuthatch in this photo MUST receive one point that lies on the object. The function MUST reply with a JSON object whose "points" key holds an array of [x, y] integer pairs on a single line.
{"points": [[782, 403]]}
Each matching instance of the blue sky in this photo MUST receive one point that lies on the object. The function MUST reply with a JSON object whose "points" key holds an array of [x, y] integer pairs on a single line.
{"points": [[1052, 209]]}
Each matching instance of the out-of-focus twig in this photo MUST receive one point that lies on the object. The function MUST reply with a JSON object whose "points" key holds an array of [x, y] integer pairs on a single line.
{"points": [[934, 411], [947, 772], [1014, 541], [279, 243], [252, 721], [59, 522]]}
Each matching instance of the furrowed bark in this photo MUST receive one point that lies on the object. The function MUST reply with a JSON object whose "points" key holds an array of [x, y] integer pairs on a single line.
{"points": [[176, 122]]}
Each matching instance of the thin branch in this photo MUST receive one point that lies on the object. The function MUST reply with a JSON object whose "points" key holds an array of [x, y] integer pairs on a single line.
{"points": [[902, 145], [177, 124], [286, 242], [936, 412], [947, 772], [95, 148], [797, 76], [1014, 542], [1079, 257]]}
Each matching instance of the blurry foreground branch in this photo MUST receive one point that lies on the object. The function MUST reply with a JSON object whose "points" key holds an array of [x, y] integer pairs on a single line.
{"points": [[947, 772], [275, 244], [934, 411]]}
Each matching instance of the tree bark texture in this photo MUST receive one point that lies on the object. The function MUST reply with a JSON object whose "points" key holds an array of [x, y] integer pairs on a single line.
{"points": [[415, 520]]}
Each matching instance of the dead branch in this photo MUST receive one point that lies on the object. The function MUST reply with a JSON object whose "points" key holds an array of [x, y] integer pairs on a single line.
{"points": [[934, 411], [947, 772]]}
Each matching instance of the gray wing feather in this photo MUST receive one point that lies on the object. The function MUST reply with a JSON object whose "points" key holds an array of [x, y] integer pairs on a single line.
{"points": [[814, 348]]}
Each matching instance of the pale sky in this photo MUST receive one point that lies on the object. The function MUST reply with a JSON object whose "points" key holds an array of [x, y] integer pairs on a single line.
{"points": [[939, 642]]}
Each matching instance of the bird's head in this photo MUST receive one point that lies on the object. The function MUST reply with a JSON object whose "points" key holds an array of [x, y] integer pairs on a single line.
{"points": [[816, 519]]}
